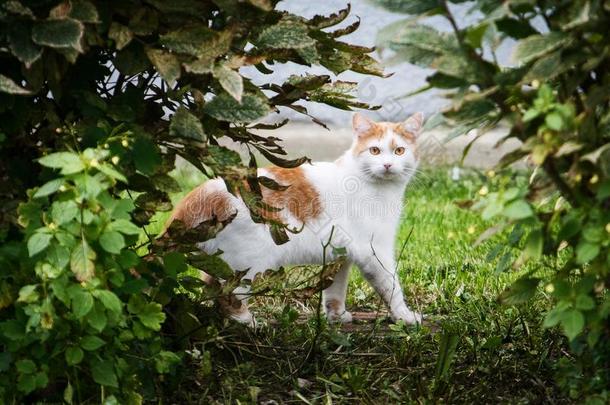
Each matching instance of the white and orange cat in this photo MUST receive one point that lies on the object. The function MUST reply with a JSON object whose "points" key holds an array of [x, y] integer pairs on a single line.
{"points": [[358, 199]]}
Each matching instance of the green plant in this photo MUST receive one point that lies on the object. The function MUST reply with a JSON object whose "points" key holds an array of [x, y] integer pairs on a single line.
{"points": [[97, 99], [556, 101]]}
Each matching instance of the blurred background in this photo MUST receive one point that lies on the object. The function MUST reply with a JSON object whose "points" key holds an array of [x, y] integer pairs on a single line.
{"points": [[303, 137]]}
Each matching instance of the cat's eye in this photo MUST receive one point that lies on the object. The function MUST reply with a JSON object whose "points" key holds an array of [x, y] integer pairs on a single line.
{"points": [[374, 150], [399, 151]]}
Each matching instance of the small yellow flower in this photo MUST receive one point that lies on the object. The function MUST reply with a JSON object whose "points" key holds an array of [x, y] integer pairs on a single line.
{"points": [[608, 227], [83, 284], [62, 188], [549, 288], [491, 174], [125, 143], [52, 226], [535, 83], [484, 191], [578, 178], [94, 163], [450, 235], [594, 179], [106, 146], [115, 160], [471, 229]]}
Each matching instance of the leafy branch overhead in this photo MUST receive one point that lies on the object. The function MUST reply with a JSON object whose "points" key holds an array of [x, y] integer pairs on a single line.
{"points": [[97, 99]]}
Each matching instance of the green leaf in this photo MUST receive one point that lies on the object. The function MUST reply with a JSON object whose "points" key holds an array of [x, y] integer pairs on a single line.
{"points": [[534, 244], [112, 241], [63, 212], [120, 34], [146, 155], [111, 172], [166, 64], [149, 313], [103, 373], [38, 242], [554, 121], [26, 383], [520, 291], [68, 162], [25, 366], [91, 343], [586, 251], [584, 302], [7, 85], [81, 301], [225, 108], [21, 44], [195, 40], [186, 125], [212, 265], [446, 352], [573, 322], [534, 46], [74, 355], [518, 209], [28, 294], [230, 80], [109, 300], [69, 394], [48, 188], [164, 360], [84, 11], [409, 6], [124, 226], [97, 318], [81, 261], [288, 33], [59, 33]]}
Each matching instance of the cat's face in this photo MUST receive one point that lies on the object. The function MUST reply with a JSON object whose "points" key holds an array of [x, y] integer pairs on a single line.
{"points": [[385, 151]]}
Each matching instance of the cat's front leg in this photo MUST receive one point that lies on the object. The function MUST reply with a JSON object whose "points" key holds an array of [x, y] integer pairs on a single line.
{"points": [[380, 272], [334, 296]]}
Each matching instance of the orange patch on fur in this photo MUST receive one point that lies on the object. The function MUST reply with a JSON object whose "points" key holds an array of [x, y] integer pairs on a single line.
{"points": [[202, 205], [376, 131], [400, 130], [301, 199]]}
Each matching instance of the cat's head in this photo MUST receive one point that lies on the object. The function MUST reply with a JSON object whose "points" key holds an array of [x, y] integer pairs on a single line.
{"points": [[385, 151]]}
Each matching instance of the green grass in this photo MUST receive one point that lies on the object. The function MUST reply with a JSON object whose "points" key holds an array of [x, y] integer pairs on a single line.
{"points": [[475, 349]]}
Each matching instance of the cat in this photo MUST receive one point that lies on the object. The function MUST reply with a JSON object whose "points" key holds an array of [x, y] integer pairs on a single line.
{"points": [[357, 199]]}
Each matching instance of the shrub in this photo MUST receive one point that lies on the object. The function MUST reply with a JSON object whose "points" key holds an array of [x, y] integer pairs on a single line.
{"points": [[97, 98], [556, 101]]}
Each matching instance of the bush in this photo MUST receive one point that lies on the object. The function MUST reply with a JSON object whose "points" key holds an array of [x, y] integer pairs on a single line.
{"points": [[556, 101], [97, 99]]}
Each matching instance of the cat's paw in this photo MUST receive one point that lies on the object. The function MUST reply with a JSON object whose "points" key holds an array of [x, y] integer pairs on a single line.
{"points": [[344, 317], [409, 317]]}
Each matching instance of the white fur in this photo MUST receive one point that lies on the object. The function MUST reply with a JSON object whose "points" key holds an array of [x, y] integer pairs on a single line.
{"points": [[361, 203]]}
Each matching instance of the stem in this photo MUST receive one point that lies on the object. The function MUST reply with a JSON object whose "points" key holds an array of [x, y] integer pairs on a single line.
{"points": [[564, 188]]}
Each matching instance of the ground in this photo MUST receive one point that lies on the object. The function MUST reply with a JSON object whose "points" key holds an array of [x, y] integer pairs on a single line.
{"points": [[473, 348]]}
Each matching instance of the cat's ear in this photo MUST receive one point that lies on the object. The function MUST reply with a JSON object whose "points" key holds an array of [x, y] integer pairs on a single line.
{"points": [[361, 124], [413, 124]]}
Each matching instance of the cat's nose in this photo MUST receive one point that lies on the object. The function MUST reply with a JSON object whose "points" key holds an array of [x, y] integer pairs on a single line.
{"points": [[387, 166]]}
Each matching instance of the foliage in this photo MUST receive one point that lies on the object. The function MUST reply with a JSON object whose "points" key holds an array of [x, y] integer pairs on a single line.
{"points": [[97, 99], [556, 101], [472, 347]]}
